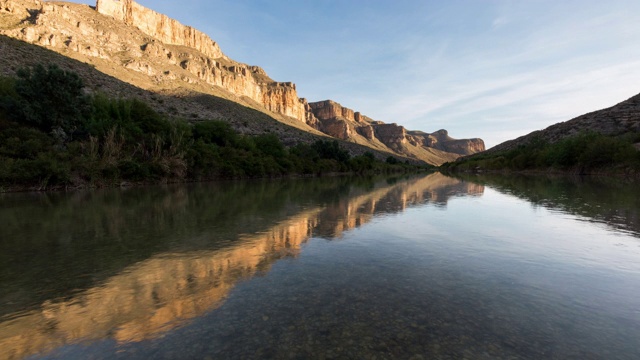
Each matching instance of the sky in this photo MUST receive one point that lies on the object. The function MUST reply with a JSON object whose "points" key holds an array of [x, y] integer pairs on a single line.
{"points": [[493, 69]]}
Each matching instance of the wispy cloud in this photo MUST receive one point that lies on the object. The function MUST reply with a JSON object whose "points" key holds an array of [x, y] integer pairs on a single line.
{"points": [[499, 22]]}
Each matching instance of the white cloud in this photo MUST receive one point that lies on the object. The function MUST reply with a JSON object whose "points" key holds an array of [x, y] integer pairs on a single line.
{"points": [[499, 22]]}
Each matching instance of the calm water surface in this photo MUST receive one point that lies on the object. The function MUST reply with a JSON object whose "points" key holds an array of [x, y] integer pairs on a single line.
{"points": [[428, 267]]}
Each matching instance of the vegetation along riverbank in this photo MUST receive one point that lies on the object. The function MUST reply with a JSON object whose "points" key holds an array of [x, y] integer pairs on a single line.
{"points": [[54, 135], [584, 153]]}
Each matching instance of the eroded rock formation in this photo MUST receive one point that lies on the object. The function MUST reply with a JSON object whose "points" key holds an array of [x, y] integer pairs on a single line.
{"points": [[161, 27], [160, 48], [328, 109], [344, 123], [442, 141]]}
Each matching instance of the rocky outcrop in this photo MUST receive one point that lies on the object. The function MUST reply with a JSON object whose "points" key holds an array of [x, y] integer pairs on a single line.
{"points": [[282, 98], [392, 135], [13, 12], [366, 131], [338, 128], [464, 147], [162, 48], [442, 141], [343, 123], [310, 117], [329, 109], [245, 80], [160, 26]]}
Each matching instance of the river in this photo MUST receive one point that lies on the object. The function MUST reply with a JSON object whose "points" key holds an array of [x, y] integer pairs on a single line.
{"points": [[413, 267]]}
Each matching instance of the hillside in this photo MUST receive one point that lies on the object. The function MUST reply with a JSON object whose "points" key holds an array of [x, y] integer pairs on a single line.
{"points": [[617, 120], [186, 75], [604, 142]]}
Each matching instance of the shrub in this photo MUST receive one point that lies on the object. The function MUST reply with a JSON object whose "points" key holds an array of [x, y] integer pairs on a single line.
{"points": [[215, 132], [51, 98], [331, 150], [392, 160], [270, 145]]}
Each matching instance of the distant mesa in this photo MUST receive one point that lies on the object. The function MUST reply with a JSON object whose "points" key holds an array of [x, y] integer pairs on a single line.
{"points": [[149, 50]]}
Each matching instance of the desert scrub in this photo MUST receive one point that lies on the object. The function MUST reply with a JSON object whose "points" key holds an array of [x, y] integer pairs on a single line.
{"points": [[584, 152], [52, 134]]}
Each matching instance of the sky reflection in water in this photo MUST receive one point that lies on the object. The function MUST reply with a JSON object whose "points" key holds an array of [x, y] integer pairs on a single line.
{"points": [[431, 266]]}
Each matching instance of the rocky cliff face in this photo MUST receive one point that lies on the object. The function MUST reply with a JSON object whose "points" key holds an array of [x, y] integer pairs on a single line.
{"points": [[159, 47], [161, 27], [329, 109], [442, 141], [344, 123], [122, 35]]}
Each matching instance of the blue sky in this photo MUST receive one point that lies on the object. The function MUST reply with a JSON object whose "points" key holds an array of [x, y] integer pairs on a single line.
{"points": [[494, 69]]}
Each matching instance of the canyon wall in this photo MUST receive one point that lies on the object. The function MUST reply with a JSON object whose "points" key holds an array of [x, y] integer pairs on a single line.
{"points": [[278, 97], [160, 26], [344, 123], [161, 48], [329, 109], [442, 141], [122, 37]]}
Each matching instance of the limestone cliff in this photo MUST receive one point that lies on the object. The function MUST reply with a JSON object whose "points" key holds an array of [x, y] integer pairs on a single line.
{"points": [[161, 27], [347, 124], [159, 47], [154, 52], [441, 140]]}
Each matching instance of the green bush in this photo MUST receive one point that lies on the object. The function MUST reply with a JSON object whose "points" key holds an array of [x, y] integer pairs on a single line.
{"points": [[331, 150], [270, 145], [51, 99], [215, 132], [135, 119], [392, 160]]}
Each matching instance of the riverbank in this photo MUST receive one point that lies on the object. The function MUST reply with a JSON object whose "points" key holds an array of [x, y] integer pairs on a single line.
{"points": [[587, 153], [127, 184], [53, 136]]}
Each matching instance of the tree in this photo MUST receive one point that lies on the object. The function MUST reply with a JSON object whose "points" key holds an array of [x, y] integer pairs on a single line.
{"points": [[51, 99], [331, 150]]}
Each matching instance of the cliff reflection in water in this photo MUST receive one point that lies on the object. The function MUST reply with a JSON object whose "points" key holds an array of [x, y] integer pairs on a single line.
{"points": [[131, 265]]}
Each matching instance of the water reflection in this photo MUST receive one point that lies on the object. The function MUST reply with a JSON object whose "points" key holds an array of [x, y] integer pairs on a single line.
{"points": [[604, 200], [131, 265]]}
